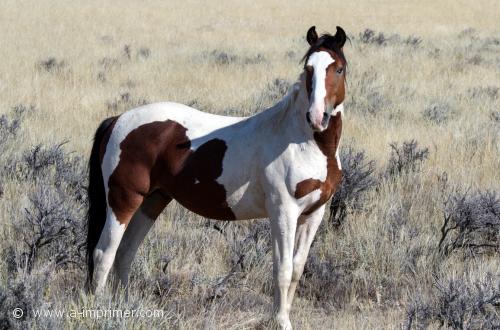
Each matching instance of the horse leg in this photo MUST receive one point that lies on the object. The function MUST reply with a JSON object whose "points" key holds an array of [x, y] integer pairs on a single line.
{"points": [[111, 235], [137, 230], [283, 225], [306, 230]]}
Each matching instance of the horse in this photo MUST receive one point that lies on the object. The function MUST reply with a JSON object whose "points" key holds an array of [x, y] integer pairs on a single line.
{"points": [[282, 164]]}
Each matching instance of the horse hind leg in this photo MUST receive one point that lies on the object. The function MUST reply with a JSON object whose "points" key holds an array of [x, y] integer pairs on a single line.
{"points": [[137, 230], [117, 219]]}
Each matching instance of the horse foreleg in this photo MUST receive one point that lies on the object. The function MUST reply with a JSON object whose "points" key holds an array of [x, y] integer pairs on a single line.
{"points": [[137, 230], [306, 230], [283, 225]]}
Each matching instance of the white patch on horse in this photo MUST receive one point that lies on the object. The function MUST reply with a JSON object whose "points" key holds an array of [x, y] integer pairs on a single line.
{"points": [[339, 164], [320, 62], [104, 253], [339, 109]]}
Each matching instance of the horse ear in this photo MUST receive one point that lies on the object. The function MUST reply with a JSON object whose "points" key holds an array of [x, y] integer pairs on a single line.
{"points": [[340, 37], [312, 36]]}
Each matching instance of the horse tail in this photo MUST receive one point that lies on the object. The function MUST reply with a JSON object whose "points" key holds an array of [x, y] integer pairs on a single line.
{"points": [[96, 216]]}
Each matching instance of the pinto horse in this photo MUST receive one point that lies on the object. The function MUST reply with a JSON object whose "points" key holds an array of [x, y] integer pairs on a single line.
{"points": [[280, 164]]}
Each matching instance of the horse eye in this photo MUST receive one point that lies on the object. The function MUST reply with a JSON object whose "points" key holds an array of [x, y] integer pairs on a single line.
{"points": [[339, 70]]}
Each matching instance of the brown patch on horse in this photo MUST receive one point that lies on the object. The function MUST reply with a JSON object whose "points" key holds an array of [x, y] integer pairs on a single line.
{"points": [[328, 142], [196, 188], [305, 187], [105, 138], [158, 156], [334, 81]]}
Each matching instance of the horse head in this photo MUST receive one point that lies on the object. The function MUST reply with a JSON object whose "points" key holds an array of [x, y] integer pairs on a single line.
{"points": [[325, 66]]}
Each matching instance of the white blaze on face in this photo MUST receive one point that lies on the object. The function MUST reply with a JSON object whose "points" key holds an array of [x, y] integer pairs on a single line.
{"points": [[320, 62]]}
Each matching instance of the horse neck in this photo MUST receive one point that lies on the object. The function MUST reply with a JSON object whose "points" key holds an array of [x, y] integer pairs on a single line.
{"points": [[287, 122], [288, 117]]}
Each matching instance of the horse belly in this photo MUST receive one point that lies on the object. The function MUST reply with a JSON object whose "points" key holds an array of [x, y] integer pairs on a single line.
{"points": [[212, 201], [209, 186]]}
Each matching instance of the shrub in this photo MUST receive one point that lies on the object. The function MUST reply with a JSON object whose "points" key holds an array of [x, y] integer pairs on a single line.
{"points": [[225, 58], [127, 51], [471, 222], [376, 102], [51, 65], [490, 92], [107, 63], [52, 221], [250, 250], [438, 112], [369, 36], [257, 59], [222, 57], [143, 53], [52, 225], [26, 293], [8, 127], [325, 284], [11, 124], [357, 179], [39, 159], [406, 158], [495, 116], [459, 304], [53, 166]]}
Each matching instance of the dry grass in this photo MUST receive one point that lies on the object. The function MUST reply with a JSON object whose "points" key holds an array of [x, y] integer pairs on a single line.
{"points": [[79, 62]]}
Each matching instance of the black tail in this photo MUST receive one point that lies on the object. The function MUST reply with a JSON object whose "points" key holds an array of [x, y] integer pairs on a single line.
{"points": [[96, 216]]}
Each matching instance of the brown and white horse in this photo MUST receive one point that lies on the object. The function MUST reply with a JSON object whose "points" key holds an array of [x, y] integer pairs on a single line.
{"points": [[280, 164]]}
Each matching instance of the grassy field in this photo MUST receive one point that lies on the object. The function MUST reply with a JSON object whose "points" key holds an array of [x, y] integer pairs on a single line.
{"points": [[426, 71]]}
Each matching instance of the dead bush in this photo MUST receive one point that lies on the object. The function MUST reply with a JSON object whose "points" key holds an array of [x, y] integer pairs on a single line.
{"points": [[471, 222], [406, 158], [369, 36], [357, 179], [51, 65], [458, 304], [438, 112], [52, 229]]}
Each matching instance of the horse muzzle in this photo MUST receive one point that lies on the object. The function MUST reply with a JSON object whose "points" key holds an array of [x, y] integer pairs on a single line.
{"points": [[319, 126]]}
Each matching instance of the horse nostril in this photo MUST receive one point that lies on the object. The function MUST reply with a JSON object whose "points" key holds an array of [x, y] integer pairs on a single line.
{"points": [[308, 117]]}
